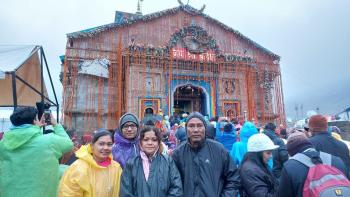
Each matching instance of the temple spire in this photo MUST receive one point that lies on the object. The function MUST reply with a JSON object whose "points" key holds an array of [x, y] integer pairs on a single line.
{"points": [[139, 7]]}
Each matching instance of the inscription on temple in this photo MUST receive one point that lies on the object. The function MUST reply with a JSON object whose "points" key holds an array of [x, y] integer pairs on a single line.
{"points": [[184, 54]]}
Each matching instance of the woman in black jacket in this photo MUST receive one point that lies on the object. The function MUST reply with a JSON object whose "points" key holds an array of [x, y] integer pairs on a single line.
{"points": [[256, 177], [151, 173]]}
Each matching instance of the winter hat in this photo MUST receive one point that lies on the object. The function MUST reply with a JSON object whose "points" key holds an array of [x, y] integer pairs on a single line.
{"points": [[181, 134], [128, 117], [228, 128], [297, 142], [196, 115], [318, 123], [260, 142], [270, 126]]}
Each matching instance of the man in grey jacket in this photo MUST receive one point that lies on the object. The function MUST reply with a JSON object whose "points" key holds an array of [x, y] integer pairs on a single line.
{"points": [[205, 166]]}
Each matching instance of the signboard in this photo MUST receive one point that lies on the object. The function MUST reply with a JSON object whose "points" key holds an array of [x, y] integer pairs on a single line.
{"points": [[184, 54], [97, 67]]}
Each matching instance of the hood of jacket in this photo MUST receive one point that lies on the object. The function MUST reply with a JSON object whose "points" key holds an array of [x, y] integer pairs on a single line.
{"points": [[119, 139], [337, 136], [85, 153], [123, 149], [20, 135], [228, 139], [247, 130], [271, 134]]}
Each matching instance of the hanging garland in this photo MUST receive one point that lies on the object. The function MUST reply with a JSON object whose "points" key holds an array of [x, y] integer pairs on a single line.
{"points": [[236, 58], [149, 50], [266, 83], [163, 51], [197, 36]]}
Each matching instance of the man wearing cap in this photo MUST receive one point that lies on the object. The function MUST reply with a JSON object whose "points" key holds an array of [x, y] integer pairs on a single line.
{"points": [[294, 173], [126, 139], [323, 140], [205, 166]]}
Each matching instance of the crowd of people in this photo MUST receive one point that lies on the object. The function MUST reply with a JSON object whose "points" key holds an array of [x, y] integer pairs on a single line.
{"points": [[171, 156]]}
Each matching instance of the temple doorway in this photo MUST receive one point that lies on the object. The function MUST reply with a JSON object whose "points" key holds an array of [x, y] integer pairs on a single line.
{"points": [[190, 98]]}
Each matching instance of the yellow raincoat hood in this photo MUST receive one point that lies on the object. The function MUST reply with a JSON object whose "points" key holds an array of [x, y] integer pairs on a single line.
{"points": [[88, 179], [338, 137], [85, 153]]}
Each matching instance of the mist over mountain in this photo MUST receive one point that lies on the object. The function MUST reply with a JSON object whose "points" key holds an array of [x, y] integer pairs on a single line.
{"points": [[331, 98]]}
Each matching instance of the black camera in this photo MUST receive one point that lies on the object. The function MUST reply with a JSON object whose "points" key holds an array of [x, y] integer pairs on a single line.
{"points": [[44, 110]]}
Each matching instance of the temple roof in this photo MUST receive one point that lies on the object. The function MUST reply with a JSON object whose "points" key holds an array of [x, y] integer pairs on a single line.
{"points": [[133, 18]]}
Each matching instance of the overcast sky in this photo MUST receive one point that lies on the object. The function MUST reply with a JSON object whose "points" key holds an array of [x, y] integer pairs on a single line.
{"points": [[311, 36]]}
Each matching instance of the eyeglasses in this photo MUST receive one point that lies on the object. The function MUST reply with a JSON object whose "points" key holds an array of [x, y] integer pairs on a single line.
{"points": [[131, 126]]}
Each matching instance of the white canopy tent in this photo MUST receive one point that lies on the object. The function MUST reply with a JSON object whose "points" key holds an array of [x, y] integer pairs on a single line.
{"points": [[22, 76]]}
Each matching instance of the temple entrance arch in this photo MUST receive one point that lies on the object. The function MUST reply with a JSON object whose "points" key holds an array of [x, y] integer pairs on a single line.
{"points": [[190, 98]]}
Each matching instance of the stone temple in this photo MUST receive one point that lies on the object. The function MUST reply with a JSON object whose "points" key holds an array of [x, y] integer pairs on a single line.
{"points": [[173, 61]]}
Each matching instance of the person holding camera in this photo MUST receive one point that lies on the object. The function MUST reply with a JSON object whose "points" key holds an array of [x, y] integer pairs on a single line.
{"points": [[29, 160]]}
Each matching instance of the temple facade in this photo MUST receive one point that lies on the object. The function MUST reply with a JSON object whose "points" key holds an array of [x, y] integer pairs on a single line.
{"points": [[173, 61]]}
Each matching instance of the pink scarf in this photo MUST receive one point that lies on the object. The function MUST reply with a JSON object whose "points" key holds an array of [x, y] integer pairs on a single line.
{"points": [[105, 163], [146, 162]]}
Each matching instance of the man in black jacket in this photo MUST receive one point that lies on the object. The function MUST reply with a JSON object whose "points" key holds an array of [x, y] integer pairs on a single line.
{"points": [[294, 173], [323, 140], [205, 166], [280, 155]]}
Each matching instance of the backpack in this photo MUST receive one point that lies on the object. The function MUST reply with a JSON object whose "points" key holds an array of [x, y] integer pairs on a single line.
{"points": [[323, 180]]}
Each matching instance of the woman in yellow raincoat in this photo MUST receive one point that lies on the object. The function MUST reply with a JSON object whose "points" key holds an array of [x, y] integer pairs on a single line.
{"points": [[95, 173]]}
